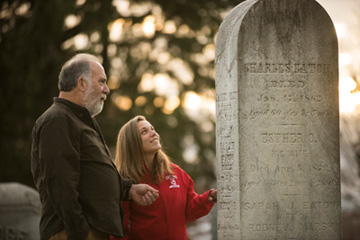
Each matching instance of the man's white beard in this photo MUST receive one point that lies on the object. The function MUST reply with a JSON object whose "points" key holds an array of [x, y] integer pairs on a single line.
{"points": [[93, 104]]}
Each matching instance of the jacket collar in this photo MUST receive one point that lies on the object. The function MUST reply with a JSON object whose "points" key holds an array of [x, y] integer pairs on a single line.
{"points": [[77, 109]]}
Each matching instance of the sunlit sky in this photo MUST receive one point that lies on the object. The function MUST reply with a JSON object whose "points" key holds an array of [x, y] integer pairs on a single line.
{"points": [[346, 17]]}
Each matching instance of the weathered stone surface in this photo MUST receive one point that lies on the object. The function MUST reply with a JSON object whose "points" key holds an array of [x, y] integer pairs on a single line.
{"points": [[277, 122], [19, 212]]}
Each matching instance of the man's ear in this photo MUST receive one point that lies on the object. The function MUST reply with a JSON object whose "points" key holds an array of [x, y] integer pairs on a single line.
{"points": [[82, 84]]}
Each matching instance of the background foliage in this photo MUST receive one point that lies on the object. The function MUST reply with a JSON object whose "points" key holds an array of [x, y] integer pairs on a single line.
{"points": [[159, 58]]}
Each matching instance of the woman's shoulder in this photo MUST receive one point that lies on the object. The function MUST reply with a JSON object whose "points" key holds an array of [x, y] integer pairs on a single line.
{"points": [[177, 170], [174, 166]]}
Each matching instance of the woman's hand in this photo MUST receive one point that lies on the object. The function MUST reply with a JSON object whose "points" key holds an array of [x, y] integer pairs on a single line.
{"points": [[213, 195]]}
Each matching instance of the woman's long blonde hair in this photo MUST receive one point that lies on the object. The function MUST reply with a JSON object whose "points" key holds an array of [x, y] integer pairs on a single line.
{"points": [[130, 157]]}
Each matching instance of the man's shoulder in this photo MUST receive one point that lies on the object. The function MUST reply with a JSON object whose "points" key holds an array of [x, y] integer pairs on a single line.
{"points": [[53, 112], [55, 115]]}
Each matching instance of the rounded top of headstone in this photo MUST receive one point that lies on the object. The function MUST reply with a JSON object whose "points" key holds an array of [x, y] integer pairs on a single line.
{"points": [[18, 196]]}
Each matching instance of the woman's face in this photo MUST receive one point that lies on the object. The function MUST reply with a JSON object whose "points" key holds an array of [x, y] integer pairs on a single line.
{"points": [[149, 137]]}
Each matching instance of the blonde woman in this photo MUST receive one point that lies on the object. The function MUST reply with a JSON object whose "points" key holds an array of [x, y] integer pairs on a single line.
{"points": [[140, 158]]}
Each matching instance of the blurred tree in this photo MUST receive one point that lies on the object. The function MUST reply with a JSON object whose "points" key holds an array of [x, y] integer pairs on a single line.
{"points": [[158, 55]]}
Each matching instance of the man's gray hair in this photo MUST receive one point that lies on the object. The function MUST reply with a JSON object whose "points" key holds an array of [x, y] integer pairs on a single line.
{"points": [[78, 66]]}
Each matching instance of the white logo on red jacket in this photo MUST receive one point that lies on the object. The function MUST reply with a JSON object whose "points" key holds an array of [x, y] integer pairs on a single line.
{"points": [[173, 181]]}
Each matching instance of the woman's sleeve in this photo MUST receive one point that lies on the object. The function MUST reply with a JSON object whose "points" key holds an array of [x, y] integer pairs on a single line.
{"points": [[196, 205]]}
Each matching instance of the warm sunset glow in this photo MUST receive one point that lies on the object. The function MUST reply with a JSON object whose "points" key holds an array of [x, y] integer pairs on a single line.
{"points": [[81, 41], [345, 59], [117, 62], [340, 29], [171, 104], [124, 103], [148, 26], [191, 149], [80, 2], [116, 29], [181, 70], [146, 83], [140, 101], [149, 110], [71, 21], [199, 106], [183, 30], [190, 154], [158, 102], [165, 85], [113, 82], [209, 52], [164, 58], [169, 27], [161, 83], [347, 84], [137, 30], [191, 101], [209, 105], [67, 44], [95, 37], [23, 9], [348, 101], [122, 6]]}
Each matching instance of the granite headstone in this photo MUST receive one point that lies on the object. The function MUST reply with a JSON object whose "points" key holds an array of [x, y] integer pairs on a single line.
{"points": [[19, 212], [277, 123]]}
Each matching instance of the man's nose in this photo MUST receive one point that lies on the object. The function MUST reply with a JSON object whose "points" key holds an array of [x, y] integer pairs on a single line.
{"points": [[106, 89]]}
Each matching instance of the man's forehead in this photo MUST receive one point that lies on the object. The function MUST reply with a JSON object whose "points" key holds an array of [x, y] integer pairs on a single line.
{"points": [[96, 65], [98, 68]]}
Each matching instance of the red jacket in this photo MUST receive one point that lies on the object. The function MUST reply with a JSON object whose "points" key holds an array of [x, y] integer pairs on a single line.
{"points": [[166, 218]]}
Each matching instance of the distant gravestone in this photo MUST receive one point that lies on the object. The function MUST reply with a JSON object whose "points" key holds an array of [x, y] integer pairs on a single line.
{"points": [[19, 212], [277, 123]]}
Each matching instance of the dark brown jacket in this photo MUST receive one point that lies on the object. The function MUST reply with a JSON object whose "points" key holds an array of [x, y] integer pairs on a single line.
{"points": [[77, 180]]}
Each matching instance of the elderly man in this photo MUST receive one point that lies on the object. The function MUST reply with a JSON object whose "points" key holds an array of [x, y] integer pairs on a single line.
{"points": [[79, 185]]}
